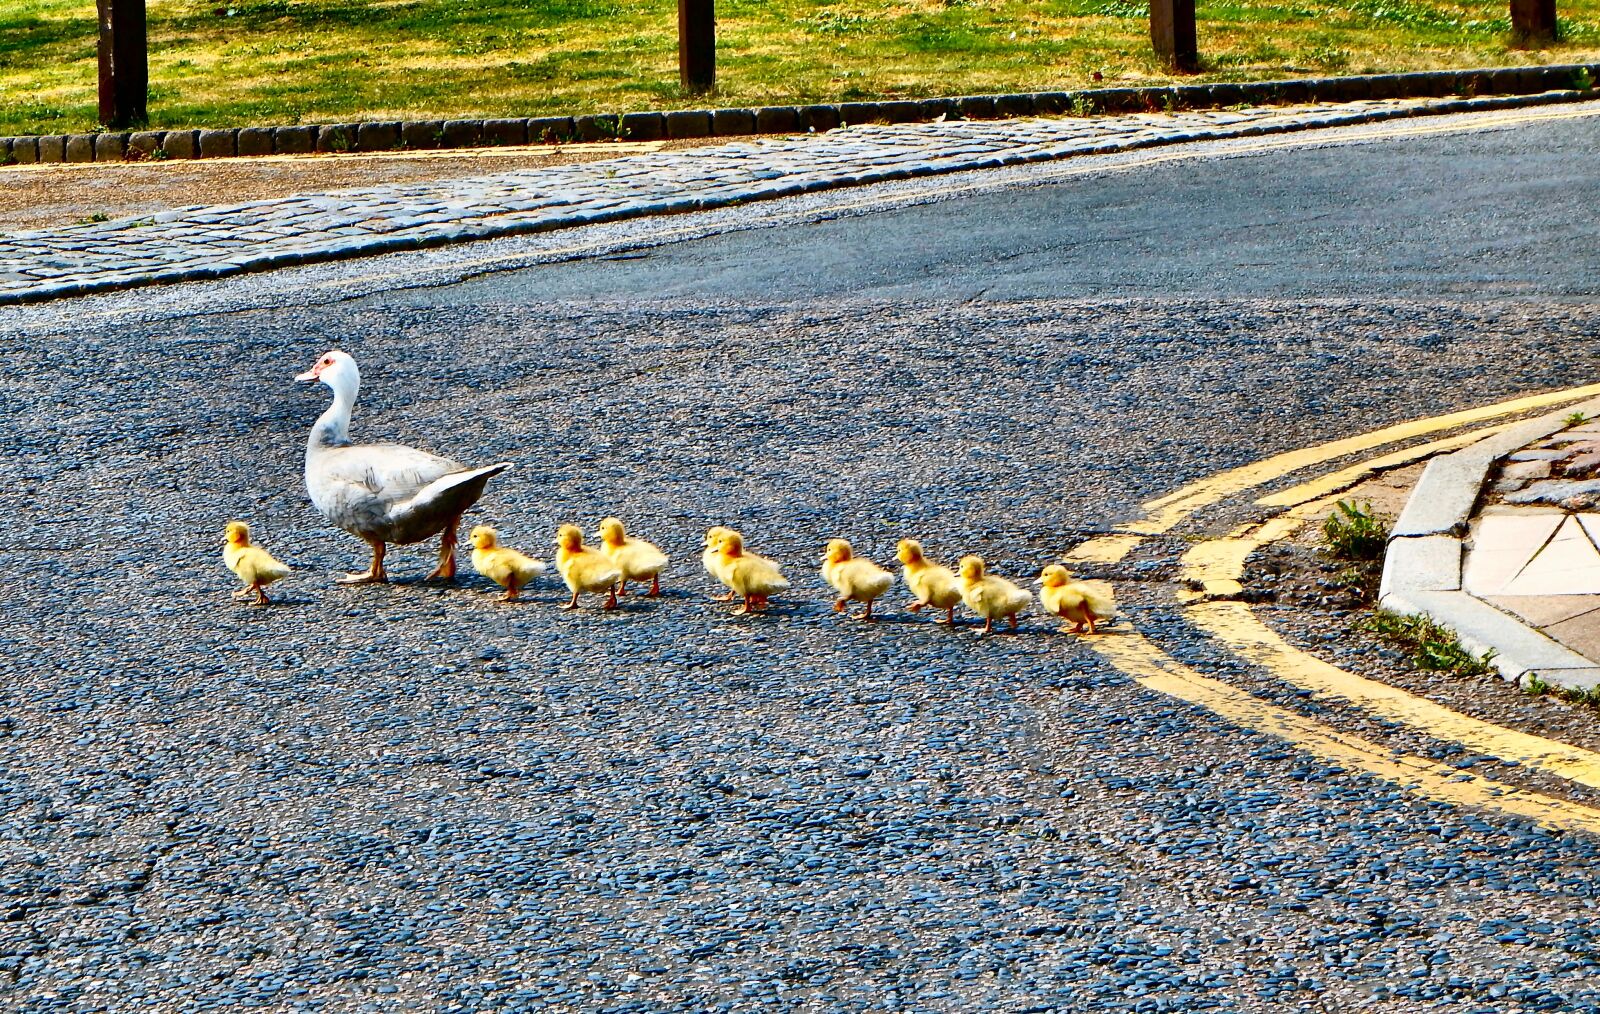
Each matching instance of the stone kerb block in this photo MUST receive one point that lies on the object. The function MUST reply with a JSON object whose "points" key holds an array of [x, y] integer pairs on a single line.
{"points": [[975, 107], [145, 141], [550, 129], [337, 137], [294, 140], [422, 135], [52, 148], [591, 129], [932, 109], [902, 112], [110, 147], [79, 148], [25, 150], [688, 123], [732, 122], [777, 120], [860, 112], [377, 136], [1010, 106], [644, 126], [255, 141], [505, 132], [819, 118], [218, 143], [180, 144], [462, 133]]}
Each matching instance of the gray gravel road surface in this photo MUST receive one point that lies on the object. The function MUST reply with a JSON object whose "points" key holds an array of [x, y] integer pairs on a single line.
{"points": [[409, 798]]}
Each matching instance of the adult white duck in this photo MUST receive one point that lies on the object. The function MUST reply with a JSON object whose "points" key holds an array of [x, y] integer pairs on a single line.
{"points": [[384, 493]]}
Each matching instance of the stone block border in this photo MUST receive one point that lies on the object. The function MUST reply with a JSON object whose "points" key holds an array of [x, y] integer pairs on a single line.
{"points": [[1422, 565], [1577, 79]]}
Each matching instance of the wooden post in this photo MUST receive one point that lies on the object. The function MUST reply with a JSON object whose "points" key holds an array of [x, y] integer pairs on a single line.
{"points": [[1173, 36], [697, 45], [1533, 22], [124, 64]]}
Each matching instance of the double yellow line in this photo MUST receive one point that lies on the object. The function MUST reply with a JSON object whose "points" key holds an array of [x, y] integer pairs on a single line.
{"points": [[1216, 566]]}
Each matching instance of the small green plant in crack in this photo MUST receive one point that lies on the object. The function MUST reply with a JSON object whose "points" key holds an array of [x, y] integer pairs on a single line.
{"points": [[1431, 646], [1535, 687], [1353, 531], [1582, 80], [1575, 418], [98, 216]]}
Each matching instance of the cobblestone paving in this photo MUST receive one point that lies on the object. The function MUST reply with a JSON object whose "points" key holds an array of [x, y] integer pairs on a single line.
{"points": [[210, 242]]}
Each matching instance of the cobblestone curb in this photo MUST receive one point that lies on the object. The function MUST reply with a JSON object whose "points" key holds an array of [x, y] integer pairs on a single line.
{"points": [[1422, 565], [196, 243], [652, 126]]}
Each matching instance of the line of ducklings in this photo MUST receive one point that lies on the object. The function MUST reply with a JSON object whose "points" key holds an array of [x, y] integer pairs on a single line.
{"points": [[750, 578]]}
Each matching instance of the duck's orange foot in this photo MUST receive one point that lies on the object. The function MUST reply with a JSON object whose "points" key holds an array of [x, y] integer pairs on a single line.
{"points": [[365, 577]]}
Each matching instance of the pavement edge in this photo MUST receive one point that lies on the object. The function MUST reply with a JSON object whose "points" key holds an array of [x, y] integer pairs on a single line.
{"points": [[1422, 563]]}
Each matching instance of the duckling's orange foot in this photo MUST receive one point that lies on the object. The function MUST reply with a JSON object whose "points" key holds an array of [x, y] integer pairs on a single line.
{"points": [[838, 605], [724, 598], [611, 600], [261, 597], [242, 593], [655, 587]]}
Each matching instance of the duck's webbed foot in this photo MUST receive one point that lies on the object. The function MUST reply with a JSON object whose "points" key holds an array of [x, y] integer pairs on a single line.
{"points": [[374, 574], [446, 571]]}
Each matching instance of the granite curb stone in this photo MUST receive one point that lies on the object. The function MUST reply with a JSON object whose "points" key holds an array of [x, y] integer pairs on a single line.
{"points": [[110, 147], [218, 143], [255, 141], [79, 148], [294, 140], [180, 144]]}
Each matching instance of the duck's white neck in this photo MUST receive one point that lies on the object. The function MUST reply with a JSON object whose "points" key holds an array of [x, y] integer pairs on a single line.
{"points": [[332, 428]]}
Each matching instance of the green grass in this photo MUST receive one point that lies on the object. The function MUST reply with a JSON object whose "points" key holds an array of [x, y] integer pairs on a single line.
{"points": [[232, 62]]}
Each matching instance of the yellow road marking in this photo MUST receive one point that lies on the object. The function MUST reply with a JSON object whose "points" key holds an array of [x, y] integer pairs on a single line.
{"points": [[1165, 513], [1174, 507], [1217, 564], [1155, 670], [1236, 626], [1343, 479]]}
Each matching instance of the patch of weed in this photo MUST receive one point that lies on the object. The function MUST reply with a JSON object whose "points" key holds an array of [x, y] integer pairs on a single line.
{"points": [[1431, 646], [1353, 531]]}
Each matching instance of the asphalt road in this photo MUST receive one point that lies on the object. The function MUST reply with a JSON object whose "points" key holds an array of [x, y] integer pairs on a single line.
{"points": [[408, 798], [1491, 215]]}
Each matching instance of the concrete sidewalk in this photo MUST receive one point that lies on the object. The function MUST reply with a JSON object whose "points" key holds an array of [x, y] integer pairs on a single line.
{"points": [[211, 242], [1501, 543]]}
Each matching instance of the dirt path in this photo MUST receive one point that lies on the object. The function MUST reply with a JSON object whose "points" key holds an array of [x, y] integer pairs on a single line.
{"points": [[41, 196]]}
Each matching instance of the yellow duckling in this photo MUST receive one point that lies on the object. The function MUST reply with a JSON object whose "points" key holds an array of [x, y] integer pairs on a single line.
{"points": [[637, 558], [853, 577], [251, 564], [710, 557], [583, 569], [750, 577], [989, 596], [506, 567], [932, 584], [1081, 603]]}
